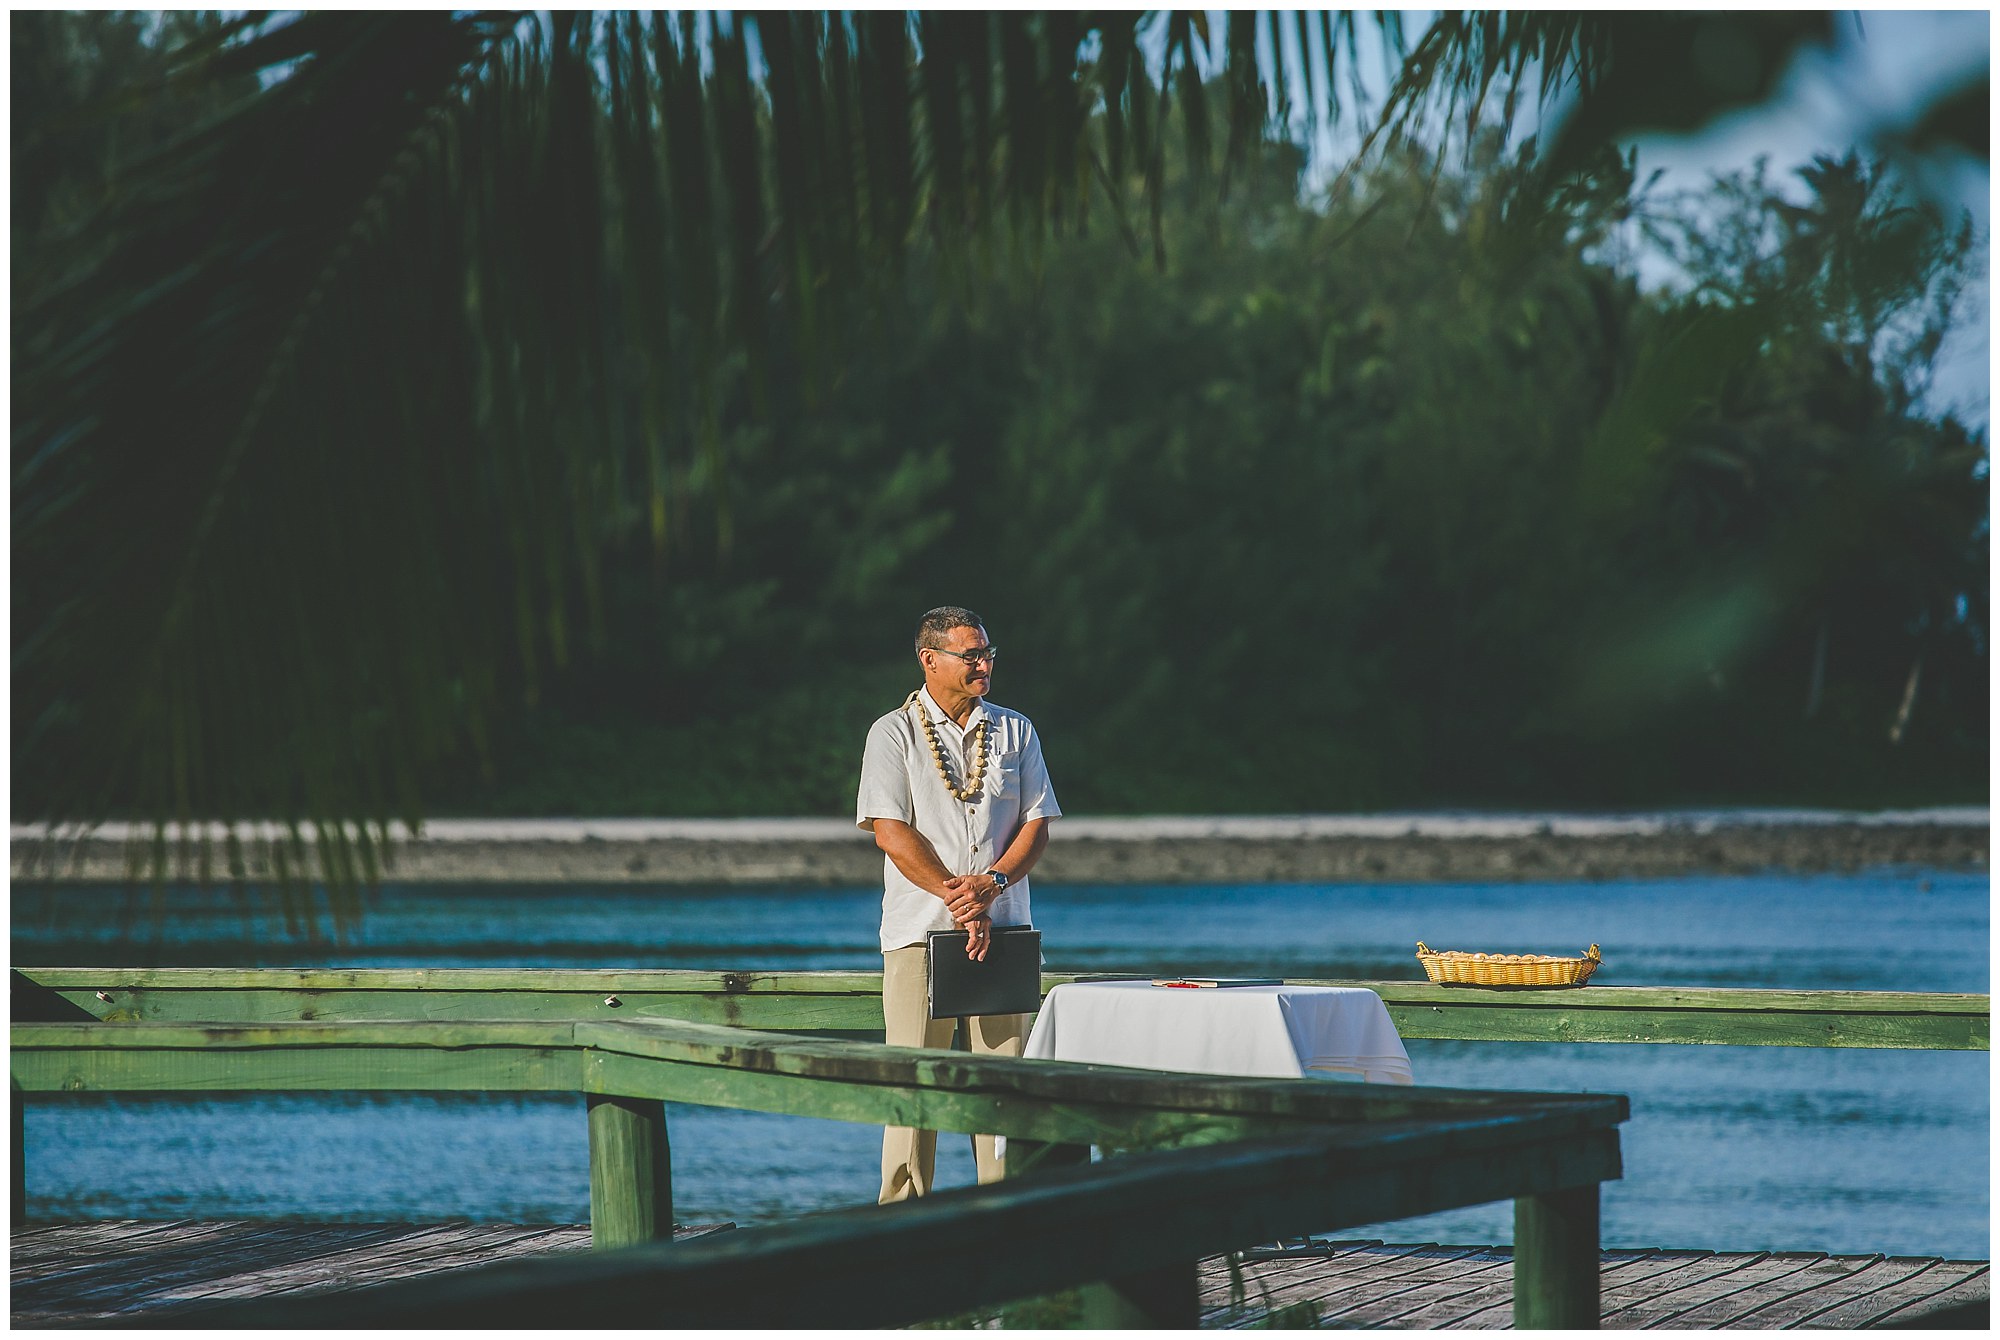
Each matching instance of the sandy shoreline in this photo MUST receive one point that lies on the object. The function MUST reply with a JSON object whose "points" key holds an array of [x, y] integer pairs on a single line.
{"points": [[1380, 848]]}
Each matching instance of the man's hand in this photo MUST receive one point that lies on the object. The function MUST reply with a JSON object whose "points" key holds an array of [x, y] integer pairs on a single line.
{"points": [[970, 896], [978, 939]]}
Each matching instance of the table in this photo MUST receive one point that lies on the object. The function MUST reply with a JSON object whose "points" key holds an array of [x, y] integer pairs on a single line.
{"points": [[1269, 1032]]}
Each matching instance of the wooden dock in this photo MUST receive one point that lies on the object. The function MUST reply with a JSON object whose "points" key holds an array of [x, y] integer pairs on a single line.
{"points": [[1431, 1287], [1163, 1236], [123, 1271]]}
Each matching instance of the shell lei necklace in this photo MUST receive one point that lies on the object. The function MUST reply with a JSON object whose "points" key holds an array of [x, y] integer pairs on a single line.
{"points": [[983, 731]]}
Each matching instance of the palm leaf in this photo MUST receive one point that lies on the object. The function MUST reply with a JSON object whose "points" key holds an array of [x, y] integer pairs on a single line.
{"points": [[329, 398]]}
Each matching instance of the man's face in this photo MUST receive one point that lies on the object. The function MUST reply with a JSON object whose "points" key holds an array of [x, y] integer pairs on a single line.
{"points": [[944, 671]]}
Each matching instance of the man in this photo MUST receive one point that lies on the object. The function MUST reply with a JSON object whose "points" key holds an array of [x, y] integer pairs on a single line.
{"points": [[956, 793]]}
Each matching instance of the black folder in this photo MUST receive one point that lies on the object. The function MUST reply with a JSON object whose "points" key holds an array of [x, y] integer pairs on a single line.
{"points": [[1007, 981]]}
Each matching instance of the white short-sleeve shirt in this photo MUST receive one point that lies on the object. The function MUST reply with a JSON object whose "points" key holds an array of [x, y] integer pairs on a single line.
{"points": [[899, 780]]}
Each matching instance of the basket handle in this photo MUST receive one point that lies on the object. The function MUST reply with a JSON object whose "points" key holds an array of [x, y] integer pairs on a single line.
{"points": [[1593, 955], [1423, 948]]}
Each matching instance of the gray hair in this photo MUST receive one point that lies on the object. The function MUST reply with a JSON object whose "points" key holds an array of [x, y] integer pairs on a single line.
{"points": [[935, 626]]}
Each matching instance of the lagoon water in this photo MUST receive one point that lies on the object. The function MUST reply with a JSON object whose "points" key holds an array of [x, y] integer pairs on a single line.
{"points": [[1728, 1147]]}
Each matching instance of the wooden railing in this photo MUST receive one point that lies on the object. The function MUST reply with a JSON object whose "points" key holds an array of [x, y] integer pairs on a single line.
{"points": [[850, 1003], [1233, 1162]]}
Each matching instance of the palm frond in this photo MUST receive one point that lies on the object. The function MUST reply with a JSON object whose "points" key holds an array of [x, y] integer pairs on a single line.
{"points": [[328, 399]]}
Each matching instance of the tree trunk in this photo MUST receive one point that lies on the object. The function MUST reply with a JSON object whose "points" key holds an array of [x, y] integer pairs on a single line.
{"points": [[1816, 682], [1909, 700]]}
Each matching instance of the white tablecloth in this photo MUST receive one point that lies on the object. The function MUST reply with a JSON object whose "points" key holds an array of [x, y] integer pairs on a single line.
{"points": [[1270, 1032]]}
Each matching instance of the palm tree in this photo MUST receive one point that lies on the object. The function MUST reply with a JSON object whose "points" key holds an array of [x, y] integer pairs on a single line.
{"points": [[333, 378]]}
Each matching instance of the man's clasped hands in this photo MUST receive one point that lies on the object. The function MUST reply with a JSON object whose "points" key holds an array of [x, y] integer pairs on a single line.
{"points": [[969, 897]]}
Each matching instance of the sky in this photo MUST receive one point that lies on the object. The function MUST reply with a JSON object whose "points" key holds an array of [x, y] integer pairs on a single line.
{"points": [[1883, 64]]}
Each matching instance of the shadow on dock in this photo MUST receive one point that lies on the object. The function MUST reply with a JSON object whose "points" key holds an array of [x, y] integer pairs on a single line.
{"points": [[161, 1272]]}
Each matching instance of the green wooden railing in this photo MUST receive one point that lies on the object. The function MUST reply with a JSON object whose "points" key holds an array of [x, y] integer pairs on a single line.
{"points": [[1233, 1162], [850, 1003]]}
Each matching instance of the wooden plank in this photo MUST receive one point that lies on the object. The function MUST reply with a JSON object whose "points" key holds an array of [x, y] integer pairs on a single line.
{"points": [[601, 981], [1062, 1081], [67, 1242], [1822, 1284], [1432, 1288], [1135, 1109], [1915, 1030], [938, 1090], [273, 1252], [1555, 1260], [1074, 1224], [141, 1257], [581, 981], [1690, 1293], [1437, 1286], [1358, 1283], [195, 1265], [1672, 1270], [631, 1172], [1694, 1015], [859, 1015], [424, 1250], [850, 1002], [186, 1260], [44, 1055], [147, 1255], [1903, 1283], [1746, 1305], [1362, 1284], [496, 1069], [870, 1100], [324, 1033], [1493, 1296], [1285, 1280], [1227, 1281], [1636, 1273], [1648, 1274], [1703, 998], [410, 1251], [1486, 1287], [1964, 1303]]}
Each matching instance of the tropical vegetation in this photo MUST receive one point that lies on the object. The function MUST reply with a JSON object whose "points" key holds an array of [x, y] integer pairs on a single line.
{"points": [[572, 414]]}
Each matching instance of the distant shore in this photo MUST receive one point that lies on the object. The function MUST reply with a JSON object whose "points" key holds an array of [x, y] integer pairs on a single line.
{"points": [[1379, 848]]}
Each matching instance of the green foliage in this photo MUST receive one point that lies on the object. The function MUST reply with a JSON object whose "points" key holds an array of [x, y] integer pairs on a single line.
{"points": [[1406, 501], [557, 413]]}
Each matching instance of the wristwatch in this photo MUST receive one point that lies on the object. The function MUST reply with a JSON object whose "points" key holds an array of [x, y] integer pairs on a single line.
{"points": [[1000, 880]]}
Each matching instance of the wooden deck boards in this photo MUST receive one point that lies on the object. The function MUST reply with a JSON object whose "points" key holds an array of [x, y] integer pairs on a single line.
{"points": [[1432, 1287], [110, 1271]]}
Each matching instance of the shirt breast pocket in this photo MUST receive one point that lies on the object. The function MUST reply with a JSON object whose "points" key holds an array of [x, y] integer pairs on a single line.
{"points": [[1003, 774]]}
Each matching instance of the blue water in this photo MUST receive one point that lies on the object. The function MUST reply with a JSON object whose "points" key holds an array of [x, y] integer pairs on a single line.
{"points": [[1728, 1147]]}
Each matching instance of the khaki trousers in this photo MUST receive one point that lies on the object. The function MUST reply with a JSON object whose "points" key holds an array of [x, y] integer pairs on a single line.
{"points": [[909, 1156]]}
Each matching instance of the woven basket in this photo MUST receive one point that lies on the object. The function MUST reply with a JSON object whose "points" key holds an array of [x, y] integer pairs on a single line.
{"points": [[1456, 968]]}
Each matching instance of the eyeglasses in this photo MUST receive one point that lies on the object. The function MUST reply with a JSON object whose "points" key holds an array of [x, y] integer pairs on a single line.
{"points": [[990, 655]]}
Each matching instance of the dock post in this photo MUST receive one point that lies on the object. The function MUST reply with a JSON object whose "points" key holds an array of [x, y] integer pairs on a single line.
{"points": [[1025, 1158], [631, 1173], [1556, 1260], [1164, 1298]]}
